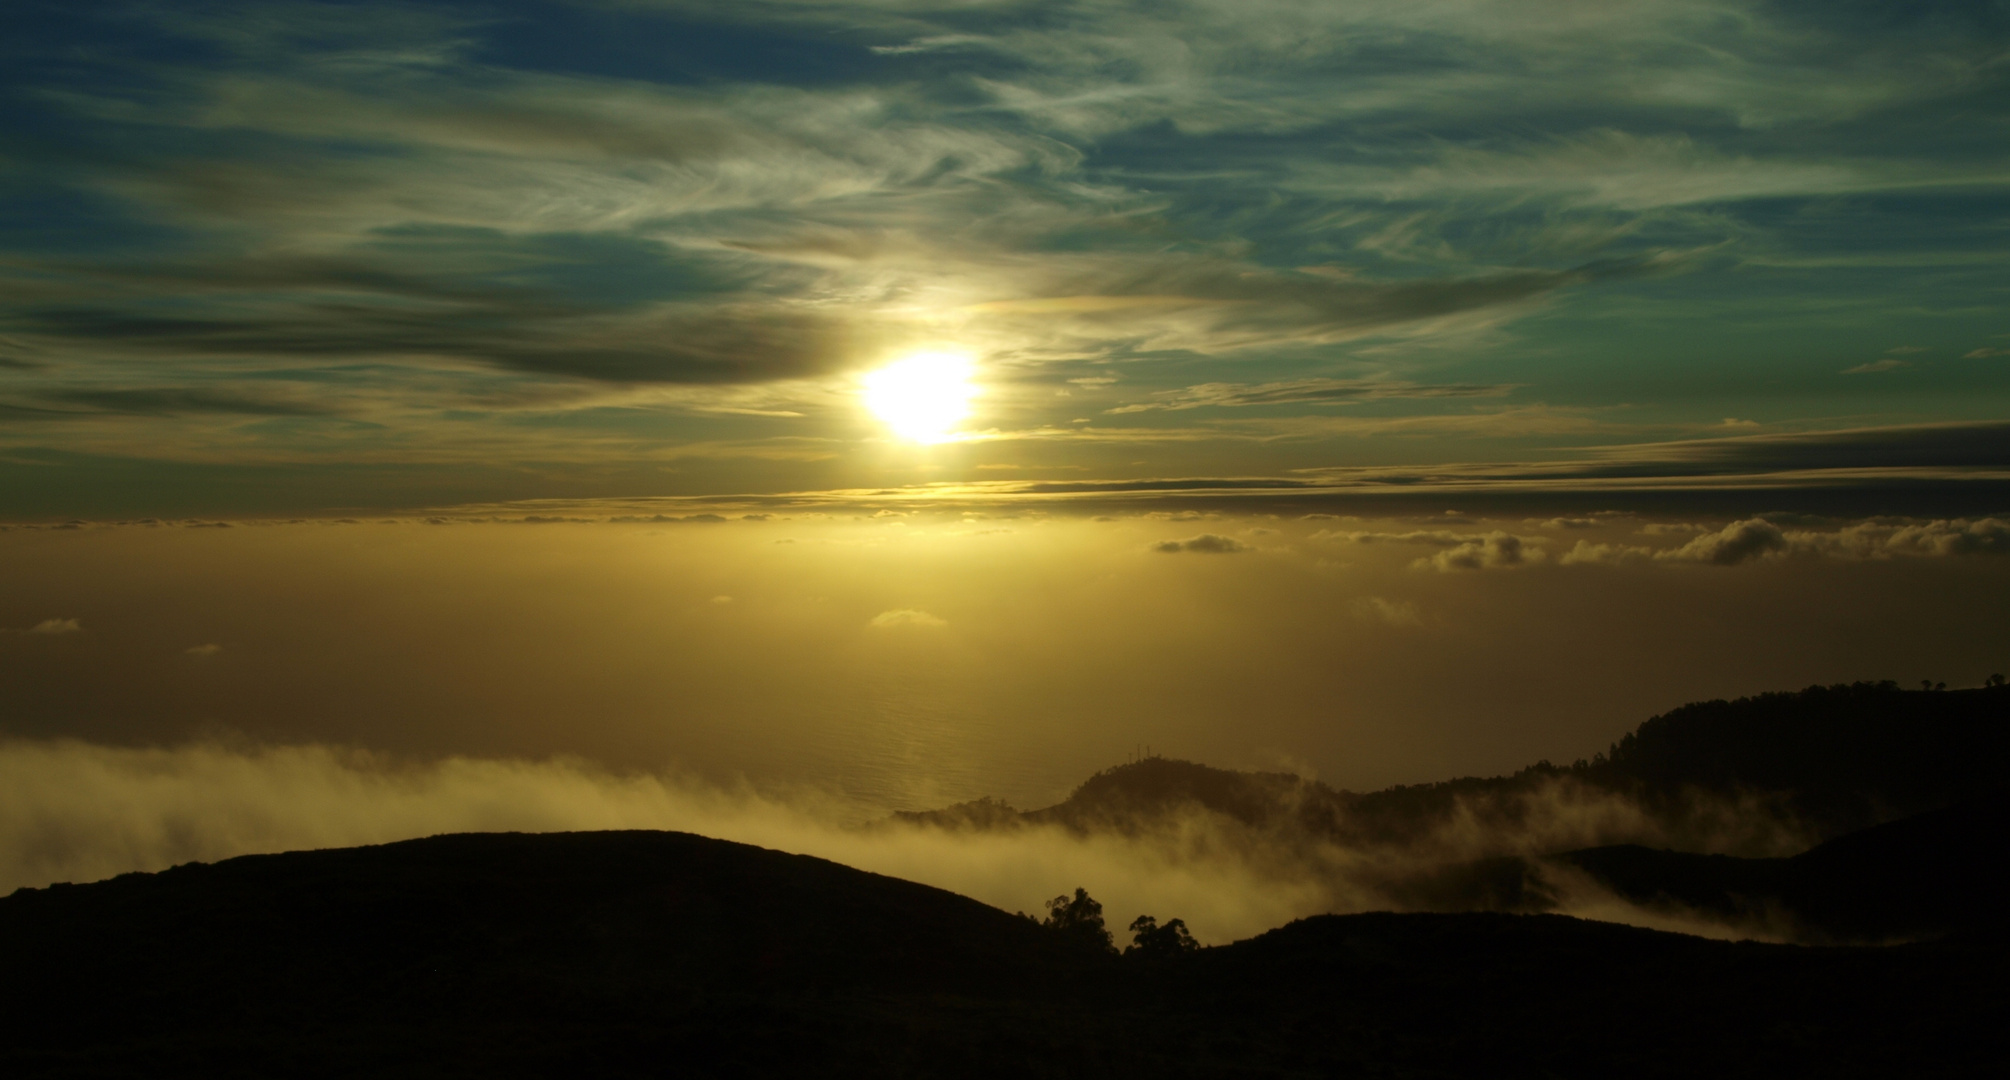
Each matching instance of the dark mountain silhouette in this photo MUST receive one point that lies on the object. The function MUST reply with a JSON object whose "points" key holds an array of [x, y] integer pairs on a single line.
{"points": [[1928, 876], [1146, 793], [633, 954], [1147, 788], [1847, 757], [644, 954], [1829, 760]]}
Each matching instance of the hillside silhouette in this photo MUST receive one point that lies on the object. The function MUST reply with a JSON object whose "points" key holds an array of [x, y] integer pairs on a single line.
{"points": [[629, 954], [1846, 757], [503, 947], [1929, 875], [1826, 761], [633, 954]]}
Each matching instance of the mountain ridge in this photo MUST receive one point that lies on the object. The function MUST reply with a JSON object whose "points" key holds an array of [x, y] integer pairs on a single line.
{"points": [[632, 953], [1828, 759]]}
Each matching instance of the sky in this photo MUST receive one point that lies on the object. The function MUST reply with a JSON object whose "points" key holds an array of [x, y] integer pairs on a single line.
{"points": [[912, 401], [295, 257]]}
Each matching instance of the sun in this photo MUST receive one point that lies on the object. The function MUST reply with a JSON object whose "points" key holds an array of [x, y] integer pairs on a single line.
{"points": [[922, 396]]}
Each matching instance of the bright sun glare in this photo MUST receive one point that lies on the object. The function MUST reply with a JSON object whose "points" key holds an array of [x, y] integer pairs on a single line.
{"points": [[922, 396]]}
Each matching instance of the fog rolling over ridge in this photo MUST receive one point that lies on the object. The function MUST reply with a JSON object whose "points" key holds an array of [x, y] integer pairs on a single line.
{"points": [[1232, 853], [1740, 784]]}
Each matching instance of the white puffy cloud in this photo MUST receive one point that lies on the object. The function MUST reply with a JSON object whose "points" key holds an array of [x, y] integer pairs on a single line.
{"points": [[1205, 544], [1415, 536], [1871, 540], [1731, 545], [1496, 550]]}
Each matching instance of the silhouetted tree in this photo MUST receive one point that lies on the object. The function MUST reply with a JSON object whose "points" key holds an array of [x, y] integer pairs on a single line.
{"points": [[1995, 680], [1081, 918], [1148, 938]]}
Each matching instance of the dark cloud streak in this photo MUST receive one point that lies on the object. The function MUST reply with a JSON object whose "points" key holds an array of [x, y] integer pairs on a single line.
{"points": [[702, 346], [172, 401]]}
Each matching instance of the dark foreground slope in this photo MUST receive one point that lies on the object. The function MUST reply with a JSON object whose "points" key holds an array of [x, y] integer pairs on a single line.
{"points": [[647, 954], [597, 950]]}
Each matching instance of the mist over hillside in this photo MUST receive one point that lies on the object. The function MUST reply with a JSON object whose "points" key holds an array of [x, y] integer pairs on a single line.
{"points": [[1232, 854], [1483, 938], [1815, 763], [1738, 786], [635, 953]]}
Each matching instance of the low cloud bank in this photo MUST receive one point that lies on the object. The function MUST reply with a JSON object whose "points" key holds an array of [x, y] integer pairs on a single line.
{"points": [[73, 811], [1496, 550], [1736, 543], [1757, 538]]}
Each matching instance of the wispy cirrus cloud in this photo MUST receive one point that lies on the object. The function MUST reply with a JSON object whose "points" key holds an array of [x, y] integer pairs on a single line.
{"points": [[550, 235], [172, 401], [1303, 391]]}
